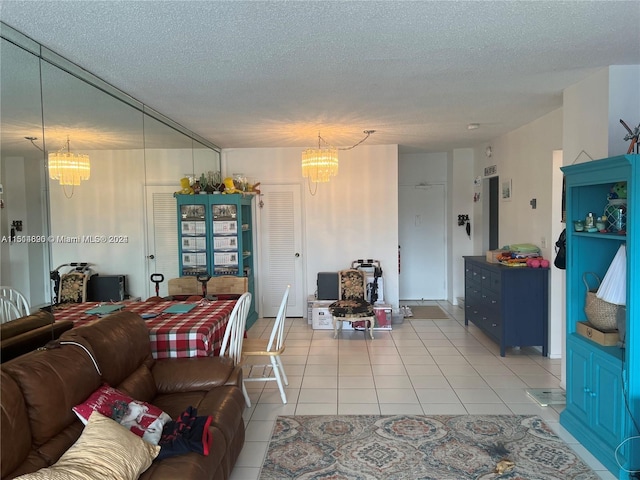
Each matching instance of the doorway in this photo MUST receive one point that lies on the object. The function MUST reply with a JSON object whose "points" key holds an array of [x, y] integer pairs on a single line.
{"points": [[494, 183], [421, 234], [279, 210], [162, 237]]}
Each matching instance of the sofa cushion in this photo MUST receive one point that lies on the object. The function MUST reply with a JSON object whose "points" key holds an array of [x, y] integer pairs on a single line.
{"points": [[15, 426], [142, 418], [52, 383], [105, 450], [122, 332], [140, 384]]}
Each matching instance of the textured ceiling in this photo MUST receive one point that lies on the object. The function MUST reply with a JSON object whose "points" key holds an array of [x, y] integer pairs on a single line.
{"points": [[267, 74]]}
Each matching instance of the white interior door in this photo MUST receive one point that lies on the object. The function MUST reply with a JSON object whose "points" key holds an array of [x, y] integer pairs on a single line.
{"points": [[280, 243], [162, 237], [421, 221]]}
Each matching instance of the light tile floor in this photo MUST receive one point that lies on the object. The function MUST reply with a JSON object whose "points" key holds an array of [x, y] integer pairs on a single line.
{"points": [[420, 367]]}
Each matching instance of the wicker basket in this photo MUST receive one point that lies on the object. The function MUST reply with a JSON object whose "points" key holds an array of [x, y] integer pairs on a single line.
{"points": [[600, 314]]}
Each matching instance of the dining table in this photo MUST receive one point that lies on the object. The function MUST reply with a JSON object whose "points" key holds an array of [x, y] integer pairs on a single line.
{"points": [[173, 332]]}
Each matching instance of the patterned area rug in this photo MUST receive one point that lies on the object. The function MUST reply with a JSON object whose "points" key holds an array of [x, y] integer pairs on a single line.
{"points": [[413, 447], [428, 312]]}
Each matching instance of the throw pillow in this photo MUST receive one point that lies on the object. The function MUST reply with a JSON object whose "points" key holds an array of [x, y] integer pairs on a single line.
{"points": [[104, 451], [143, 419]]}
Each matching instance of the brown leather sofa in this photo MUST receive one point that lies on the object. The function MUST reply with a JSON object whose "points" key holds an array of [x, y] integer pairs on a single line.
{"points": [[39, 389], [25, 334]]}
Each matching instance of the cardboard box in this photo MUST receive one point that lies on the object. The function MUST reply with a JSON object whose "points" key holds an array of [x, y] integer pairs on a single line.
{"points": [[608, 338], [492, 255]]}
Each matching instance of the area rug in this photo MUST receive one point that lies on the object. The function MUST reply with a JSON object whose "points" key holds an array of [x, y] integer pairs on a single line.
{"points": [[418, 447], [427, 312]]}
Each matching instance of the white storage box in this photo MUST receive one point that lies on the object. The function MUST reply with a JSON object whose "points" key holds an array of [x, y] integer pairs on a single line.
{"points": [[323, 320]]}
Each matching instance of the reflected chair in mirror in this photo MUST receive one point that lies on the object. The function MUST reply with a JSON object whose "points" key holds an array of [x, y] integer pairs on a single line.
{"points": [[8, 310], [234, 335], [17, 298], [271, 348], [73, 287], [352, 305]]}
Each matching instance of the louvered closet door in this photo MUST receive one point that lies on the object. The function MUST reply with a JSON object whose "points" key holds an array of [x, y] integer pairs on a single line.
{"points": [[162, 237], [280, 248]]}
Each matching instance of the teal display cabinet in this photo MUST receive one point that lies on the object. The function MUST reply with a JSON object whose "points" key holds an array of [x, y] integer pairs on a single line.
{"points": [[216, 238], [603, 382]]}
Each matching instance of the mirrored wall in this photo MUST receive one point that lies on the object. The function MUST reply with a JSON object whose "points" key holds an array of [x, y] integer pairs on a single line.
{"points": [[121, 219]]}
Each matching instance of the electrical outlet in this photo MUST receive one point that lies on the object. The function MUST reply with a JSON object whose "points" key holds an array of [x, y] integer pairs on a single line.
{"points": [[543, 242]]}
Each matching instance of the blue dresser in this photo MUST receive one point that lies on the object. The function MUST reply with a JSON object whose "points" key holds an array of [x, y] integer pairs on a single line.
{"points": [[509, 304]]}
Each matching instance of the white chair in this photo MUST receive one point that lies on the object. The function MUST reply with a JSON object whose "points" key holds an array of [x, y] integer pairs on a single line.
{"points": [[8, 310], [272, 348], [17, 298], [234, 335]]}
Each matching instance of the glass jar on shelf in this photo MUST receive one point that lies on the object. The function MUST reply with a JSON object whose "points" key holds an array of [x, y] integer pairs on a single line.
{"points": [[616, 213]]}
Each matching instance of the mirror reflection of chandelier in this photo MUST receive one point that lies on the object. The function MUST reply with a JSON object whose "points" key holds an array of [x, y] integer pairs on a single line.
{"points": [[68, 168]]}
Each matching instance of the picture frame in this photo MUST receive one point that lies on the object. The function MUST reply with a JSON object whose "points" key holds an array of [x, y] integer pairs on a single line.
{"points": [[506, 190]]}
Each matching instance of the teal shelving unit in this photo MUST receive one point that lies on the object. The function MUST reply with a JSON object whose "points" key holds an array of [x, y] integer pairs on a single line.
{"points": [[216, 238], [603, 382]]}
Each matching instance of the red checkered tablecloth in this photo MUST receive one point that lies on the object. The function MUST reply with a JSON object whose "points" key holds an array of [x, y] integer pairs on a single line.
{"points": [[196, 333]]}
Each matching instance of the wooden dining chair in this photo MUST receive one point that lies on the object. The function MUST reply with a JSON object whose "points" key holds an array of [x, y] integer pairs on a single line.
{"points": [[272, 348], [234, 335]]}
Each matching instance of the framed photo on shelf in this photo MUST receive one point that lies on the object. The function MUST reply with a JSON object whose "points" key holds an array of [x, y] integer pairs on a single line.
{"points": [[224, 211]]}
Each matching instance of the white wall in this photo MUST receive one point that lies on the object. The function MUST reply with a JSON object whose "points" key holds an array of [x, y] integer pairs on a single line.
{"points": [[624, 103], [462, 190], [525, 156], [25, 200], [353, 216]]}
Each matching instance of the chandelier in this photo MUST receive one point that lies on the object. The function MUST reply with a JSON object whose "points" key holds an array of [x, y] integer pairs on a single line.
{"points": [[320, 164], [68, 168]]}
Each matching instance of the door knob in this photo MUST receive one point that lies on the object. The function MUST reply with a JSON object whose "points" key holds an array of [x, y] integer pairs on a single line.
{"points": [[297, 254], [151, 257]]}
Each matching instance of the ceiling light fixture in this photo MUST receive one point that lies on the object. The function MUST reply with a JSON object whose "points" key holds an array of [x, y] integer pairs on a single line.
{"points": [[320, 164], [473, 126], [68, 168]]}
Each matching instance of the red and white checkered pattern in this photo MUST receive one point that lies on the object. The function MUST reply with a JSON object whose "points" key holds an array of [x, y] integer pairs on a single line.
{"points": [[197, 333]]}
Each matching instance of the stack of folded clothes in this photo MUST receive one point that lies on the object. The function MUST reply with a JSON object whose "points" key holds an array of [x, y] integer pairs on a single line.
{"points": [[517, 254]]}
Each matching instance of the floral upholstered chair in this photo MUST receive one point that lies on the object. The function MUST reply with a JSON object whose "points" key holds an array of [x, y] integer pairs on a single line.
{"points": [[352, 305], [73, 287]]}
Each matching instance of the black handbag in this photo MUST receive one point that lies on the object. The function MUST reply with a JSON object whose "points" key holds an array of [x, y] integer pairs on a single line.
{"points": [[561, 251]]}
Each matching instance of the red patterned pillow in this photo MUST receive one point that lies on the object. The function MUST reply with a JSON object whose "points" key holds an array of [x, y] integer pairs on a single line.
{"points": [[143, 419]]}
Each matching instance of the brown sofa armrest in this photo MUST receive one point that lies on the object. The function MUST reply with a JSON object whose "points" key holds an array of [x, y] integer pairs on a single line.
{"points": [[25, 324], [174, 375], [28, 341]]}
